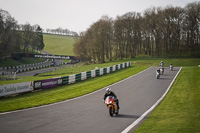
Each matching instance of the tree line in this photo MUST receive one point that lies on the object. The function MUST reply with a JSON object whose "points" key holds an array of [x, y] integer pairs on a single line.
{"points": [[62, 31], [15, 38], [161, 32]]}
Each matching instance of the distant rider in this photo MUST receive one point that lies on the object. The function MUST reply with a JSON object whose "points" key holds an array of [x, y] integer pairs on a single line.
{"points": [[111, 93], [161, 64], [171, 66]]}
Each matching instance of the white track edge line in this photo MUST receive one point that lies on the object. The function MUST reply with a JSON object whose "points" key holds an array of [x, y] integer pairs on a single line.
{"points": [[149, 110], [73, 98]]}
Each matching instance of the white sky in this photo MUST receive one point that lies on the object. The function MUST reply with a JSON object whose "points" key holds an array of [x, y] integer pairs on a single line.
{"points": [[76, 15]]}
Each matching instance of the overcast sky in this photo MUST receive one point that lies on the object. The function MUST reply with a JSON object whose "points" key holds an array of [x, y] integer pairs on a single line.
{"points": [[76, 15]]}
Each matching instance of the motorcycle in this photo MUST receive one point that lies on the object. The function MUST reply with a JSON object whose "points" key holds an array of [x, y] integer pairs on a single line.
{"points": [[157, 74], [161, 70], [111, 105], [171, 67]]}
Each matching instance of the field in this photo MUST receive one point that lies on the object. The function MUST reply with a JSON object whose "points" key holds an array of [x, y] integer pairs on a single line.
{"points": [[59, 45]]}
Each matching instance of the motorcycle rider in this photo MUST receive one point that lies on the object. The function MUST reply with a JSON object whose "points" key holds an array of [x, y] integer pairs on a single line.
{"points": [[161, 64], [111, 93], [171, 66]]}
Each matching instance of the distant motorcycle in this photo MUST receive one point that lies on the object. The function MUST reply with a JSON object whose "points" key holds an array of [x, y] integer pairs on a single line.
{"points": [[157, 74], [171, 67], [111, 105], [161, 70]]}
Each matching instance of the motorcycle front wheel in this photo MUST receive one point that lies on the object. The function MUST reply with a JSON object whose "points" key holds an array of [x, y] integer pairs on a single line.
{"points": [[111, 111], [117, 112]]}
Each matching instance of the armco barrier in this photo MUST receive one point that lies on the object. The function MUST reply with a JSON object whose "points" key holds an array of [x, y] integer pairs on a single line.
{"points": [[72, 79], [88, 74], [97, 72], [83, 76], [78, 77], [65, 80], [104, 70], [108, 69], [54, 82], [101, 71], [93, 74]]}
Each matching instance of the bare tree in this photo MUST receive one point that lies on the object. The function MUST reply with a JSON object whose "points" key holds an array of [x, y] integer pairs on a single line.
{"points": [[193, 27], [8, 26], [169, 31]]}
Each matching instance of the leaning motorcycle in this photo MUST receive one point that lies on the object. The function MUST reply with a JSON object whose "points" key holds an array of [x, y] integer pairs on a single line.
{"points": [[111, 105], [157, 74], [171, 67], [161, 70]]}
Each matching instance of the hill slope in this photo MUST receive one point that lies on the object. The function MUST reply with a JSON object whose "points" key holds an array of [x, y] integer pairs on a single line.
{"points": [[58, 44]]}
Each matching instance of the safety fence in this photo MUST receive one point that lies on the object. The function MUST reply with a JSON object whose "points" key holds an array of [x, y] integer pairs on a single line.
{"points": [[21, 66], [16, 88], [30, 67], [24, 68]]}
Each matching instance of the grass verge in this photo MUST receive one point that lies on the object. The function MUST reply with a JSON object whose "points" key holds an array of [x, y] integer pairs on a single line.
{"points": [[61, 93], [180, 110]]}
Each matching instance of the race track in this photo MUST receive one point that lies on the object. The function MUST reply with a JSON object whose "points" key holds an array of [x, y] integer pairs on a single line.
{"points": [[88, 114]]}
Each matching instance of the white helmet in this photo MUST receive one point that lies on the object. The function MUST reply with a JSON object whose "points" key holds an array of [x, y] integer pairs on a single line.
{"points": [[108, 90]]}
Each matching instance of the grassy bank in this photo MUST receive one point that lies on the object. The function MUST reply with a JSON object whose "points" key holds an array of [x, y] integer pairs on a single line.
{"points": [[180, 110], [65, 92], [59, 45]]}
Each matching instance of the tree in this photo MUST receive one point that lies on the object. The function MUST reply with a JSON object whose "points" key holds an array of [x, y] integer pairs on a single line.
{"points": [[170, 32], [7, 32], [27, 35], [39, 36], [192, 27]]}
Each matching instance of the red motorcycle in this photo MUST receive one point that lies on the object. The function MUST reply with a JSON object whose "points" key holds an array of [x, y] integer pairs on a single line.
{"points": [[111, 105]]}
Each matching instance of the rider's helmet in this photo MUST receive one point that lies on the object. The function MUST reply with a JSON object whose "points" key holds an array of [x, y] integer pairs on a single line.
{"points": [[108, 90]]}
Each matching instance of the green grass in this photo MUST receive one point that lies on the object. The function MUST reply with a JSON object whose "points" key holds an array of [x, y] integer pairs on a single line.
{"points": [[180, 110], [59, 45], [61, 93], [167, 61]]}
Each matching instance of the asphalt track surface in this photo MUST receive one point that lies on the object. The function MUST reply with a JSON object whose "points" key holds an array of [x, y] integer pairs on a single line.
{"points": [[88, 114]]}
